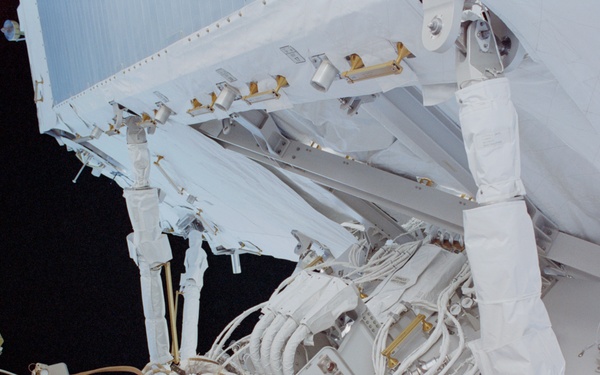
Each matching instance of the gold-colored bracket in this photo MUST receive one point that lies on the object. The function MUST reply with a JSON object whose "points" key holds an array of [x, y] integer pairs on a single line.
{"points": [[35, 94], [358, 71], [112, 130], [255, 96], [147, 121], [172, 314], [199, 109], [387, 352]]}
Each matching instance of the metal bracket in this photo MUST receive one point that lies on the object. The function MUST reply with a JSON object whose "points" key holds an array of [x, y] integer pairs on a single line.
{"points": [[477, 58], [441, 23], [351, 104], [264, 130]]}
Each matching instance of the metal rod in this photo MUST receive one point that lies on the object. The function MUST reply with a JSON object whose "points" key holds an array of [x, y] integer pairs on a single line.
{"points": [[172, 316], [80, 170]]}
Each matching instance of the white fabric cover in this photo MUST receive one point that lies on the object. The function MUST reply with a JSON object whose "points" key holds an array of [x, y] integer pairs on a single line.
{"points": [[149, 249], [142, 206], [140, 158], [516, 334], [489, 126], [157, 333], [191, 282]]}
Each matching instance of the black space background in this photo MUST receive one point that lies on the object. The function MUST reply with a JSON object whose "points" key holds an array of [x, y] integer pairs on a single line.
{"points": [[68, 290]]}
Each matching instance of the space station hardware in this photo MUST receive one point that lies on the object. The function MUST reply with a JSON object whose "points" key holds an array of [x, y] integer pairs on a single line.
{"points": [[296, 139], [514, 320], [340, 322]]}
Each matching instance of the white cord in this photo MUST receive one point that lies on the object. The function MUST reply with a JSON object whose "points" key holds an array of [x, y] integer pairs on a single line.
{"points": [[226, 333], [443, 299]]}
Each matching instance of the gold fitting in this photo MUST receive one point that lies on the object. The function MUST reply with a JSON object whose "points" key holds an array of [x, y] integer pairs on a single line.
{"points": [[255, 96], [112, 129], [392, 362], [362, 294], [253, 88], [317, 260], [281, 82], [146, 117], [358, 71], [158, 159], [195, 103], [403, 52], [427, 326], [356, 62], [426, 181], [199, 109]]}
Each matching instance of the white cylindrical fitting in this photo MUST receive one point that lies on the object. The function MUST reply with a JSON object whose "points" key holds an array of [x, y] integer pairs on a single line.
{"points": [[162, 114], [324, 76], [226, 98]]}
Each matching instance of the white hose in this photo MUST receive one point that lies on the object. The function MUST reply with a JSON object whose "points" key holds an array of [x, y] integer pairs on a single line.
{"points": [[289, 354], [461, 344], [267, 341], [279, 344], [443, 350], [228, 330], [229, 360], [255, 338], [379, 345], [443, 299]]}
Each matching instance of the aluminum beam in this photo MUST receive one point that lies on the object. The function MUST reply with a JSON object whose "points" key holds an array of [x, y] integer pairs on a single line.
{"points": [[357, 179], [401, 113], [376, 216], [391, 191], [575, 253]]}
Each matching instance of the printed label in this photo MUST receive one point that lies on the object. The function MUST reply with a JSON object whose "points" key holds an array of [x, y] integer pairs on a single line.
{"points": [[294, 55], [225, 74]]}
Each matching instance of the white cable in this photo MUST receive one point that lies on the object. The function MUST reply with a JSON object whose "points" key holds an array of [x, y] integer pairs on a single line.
{"points": [[443, 298], [278, 345], [257, 333], [289, 354], [233, 356], [443, 350], [461, 344], [267, 341], [6, 372], [379, 345], [228, 330], [230, 347]]}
